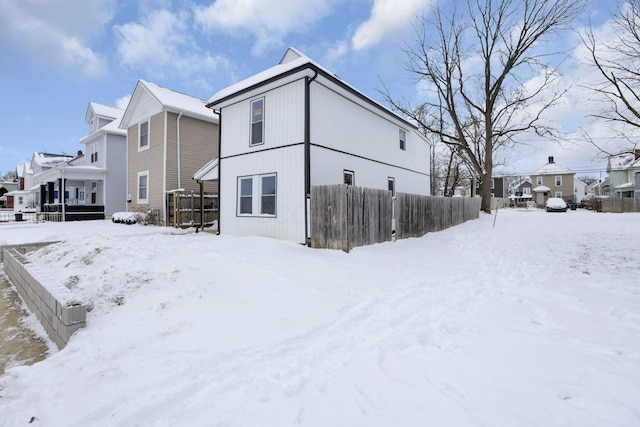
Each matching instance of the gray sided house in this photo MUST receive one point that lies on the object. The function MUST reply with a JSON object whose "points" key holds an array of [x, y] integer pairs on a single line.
{"points": [[298, 125], [93, 184], [170, 136], [552, 180]]}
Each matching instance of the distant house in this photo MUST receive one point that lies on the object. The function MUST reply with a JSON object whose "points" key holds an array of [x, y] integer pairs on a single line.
{"points": [[49, 182], [552, 180], [623, 170], [93, 184], [522, 193], [170, 136], [580, 190], [298, 125], [499, 186]]}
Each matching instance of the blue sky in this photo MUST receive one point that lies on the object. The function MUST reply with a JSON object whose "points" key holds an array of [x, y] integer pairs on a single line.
{"points": [[59, 55]]}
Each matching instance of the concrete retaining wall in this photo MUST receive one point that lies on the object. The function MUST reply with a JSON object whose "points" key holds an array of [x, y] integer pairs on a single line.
{"points": [[60, 315]]}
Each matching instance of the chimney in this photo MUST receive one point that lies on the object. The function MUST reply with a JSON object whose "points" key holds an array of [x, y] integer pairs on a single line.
{"points": [[550, 159], [79, 153], [636, 153]]}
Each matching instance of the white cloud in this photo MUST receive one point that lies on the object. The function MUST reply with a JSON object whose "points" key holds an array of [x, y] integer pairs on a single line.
{"points": [[387, 17], [161, 46], [57, 32], [268, 21], [122, 103], [336, 52]]}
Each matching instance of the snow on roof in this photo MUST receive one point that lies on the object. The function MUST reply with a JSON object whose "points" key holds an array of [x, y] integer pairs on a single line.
{"points": [[552, 169], [104, 111], [112, 127], [48, 159], [626, 185], [621, 161], [292, 60], [179, 102], [541, 189], [208, 172]]}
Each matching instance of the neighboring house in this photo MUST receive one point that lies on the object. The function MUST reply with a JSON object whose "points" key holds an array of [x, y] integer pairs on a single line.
{"points": [[170, 136], [521, 193], [499, 186], [580, 190], [622, 170], [105, 161], [602, 188], [552, 180], [47, 178], [7, 187], [298, 125], [93, 183]]}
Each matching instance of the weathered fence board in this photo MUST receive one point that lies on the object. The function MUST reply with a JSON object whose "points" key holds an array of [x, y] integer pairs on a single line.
{"points": [[620, 204], [344, 217]]}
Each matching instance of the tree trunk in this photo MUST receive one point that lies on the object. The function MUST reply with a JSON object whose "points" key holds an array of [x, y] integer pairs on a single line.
{"points": [[485, 193]]}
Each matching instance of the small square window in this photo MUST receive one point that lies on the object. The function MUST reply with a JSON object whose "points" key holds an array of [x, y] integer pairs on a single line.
{"points": [[403, 139], [538, 180], [349, 177]]}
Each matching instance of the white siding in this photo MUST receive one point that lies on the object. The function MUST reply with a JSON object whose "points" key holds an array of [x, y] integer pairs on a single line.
{"points": [[288, 164], [327, 168], [341, 124], [283, 120]]}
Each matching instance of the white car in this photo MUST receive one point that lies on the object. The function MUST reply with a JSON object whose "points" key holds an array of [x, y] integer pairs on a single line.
{"points": [[556, 204]]}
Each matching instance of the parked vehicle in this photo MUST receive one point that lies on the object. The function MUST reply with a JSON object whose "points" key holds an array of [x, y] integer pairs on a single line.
{"points": [[556, 204]]}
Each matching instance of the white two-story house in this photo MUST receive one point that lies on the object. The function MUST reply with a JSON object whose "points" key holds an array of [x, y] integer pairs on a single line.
{"points": [[298, 125]]}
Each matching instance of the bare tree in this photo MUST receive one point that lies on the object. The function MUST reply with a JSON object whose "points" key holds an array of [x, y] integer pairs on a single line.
{"points": [[475, 64], [618, 63]]}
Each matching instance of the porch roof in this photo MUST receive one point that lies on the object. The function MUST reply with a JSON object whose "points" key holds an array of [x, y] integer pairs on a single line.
{"points": [[208, 172], [83, 173], [626, 186], [541, 189]]}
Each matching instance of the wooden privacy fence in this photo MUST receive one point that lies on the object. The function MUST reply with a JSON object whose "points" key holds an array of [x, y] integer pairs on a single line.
{"points": [[620, 204], [345, 216], [185, 209]]}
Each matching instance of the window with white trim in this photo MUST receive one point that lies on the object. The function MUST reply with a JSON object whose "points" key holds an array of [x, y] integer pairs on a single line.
{"points": [[257, 195], [403, 139], [558, 194], [143, 135], [93, 149], [538, 180], [143, 187], [558, 179], [526, 190], [257, 121], [349, 177], [391, 185]]}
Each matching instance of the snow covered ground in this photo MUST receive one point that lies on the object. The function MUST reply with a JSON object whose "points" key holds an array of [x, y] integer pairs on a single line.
{"points": [[533, 322]]}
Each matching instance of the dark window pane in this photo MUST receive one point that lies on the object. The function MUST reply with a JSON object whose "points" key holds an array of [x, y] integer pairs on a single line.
{"points": [[268, 205], [348, 178], [268, 185], [256, 133], [245, 205], [246, 187]]}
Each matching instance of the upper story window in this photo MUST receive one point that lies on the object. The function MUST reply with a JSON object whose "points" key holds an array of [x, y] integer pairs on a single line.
{"points": [[93, 149], [538, 180], [143, 139], [526, 190], [257, 195], [349, 177], [558, 180], [403, 139], [93, 124], [257, 121]]}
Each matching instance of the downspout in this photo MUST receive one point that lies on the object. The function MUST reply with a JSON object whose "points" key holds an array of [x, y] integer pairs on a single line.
{"points": [[307, 156], [164, 170], [178, 148], [219, 113]]}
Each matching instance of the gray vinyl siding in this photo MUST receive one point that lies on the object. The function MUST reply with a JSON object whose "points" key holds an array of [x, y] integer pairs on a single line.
{"points": [[115, 153]]}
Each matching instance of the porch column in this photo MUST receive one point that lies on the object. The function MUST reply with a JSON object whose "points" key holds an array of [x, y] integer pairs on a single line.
{"points": [[50, 192]]}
